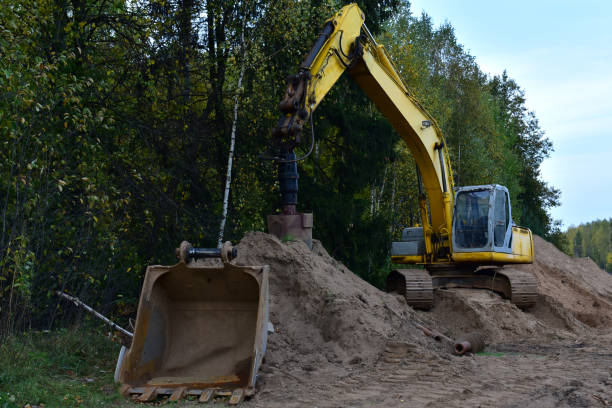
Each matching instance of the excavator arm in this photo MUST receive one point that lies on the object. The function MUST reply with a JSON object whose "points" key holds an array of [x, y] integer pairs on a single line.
{"points": [[345, 44], [466, 243]]}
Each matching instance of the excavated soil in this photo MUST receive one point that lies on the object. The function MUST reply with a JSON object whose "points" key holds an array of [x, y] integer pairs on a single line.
{"points": [[340, 342]]}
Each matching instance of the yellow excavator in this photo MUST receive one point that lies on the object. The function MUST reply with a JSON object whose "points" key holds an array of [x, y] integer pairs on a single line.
{"points": [[467, 233], [201, 328]]}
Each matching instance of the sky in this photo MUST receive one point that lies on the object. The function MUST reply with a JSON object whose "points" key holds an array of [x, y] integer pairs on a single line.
{"points": [[560, 54]]}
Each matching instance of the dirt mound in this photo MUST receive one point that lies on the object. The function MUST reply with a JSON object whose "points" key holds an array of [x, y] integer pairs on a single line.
{"points": [[575, 296], [460, 311], [339, 341], [572, 286], [324, 313], [321, 311]]}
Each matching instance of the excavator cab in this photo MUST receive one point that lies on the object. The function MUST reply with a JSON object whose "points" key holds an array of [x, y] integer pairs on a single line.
{"points": [[482, 219], [483, 231]]}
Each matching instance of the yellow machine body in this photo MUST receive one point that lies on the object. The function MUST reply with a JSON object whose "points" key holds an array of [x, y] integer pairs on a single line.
{"points": [[346, 44]]}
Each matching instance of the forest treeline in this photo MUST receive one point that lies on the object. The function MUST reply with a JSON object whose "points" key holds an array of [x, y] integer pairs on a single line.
{"points": [[115, 124], [593, 239]]}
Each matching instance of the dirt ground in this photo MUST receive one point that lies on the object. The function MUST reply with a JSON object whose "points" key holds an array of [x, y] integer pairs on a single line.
{"points": [[340, 342]]}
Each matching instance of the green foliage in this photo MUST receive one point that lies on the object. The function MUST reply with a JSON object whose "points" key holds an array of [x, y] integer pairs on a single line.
{"points": [[578, 251], [17, 268], [115, 123], [62, 212], [65, 368], [593, 239]]}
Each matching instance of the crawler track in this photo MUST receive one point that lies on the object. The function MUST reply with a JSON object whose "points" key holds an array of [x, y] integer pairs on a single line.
{"points": [[521, 287], [417, 285], [414, 284]]}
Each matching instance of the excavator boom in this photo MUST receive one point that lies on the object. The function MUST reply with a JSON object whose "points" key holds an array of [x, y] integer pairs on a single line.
{"points": [[345, 44], [465, 228]]}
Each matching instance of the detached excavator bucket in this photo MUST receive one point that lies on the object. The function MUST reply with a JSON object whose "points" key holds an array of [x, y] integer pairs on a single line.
{"points": [[200, 330]]}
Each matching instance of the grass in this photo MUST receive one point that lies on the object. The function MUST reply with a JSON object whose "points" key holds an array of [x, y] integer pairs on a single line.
{"points": [[63, 368], [288, 238], [489, 354]]}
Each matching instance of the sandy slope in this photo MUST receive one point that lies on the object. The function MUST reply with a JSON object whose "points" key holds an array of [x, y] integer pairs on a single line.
{"points": [[341, 342]]}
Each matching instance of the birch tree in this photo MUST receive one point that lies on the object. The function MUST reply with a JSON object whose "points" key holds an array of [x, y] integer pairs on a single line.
{"points": [[230, 156]]}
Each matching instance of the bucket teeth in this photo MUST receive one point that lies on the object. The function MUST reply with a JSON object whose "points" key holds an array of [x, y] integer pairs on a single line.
{"points": [[178, 394], [223, 393], [237, 396], [206, 395], [125, 390], [149, 394]]}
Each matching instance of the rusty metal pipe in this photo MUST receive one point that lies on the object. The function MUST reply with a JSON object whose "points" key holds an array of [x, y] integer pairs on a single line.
{"points": [[427, 332], [471, 342], [437, 336], [462, 347]]}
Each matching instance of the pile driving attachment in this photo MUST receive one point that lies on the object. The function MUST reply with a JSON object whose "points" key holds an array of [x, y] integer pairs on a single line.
{"points": [[200, 330]]}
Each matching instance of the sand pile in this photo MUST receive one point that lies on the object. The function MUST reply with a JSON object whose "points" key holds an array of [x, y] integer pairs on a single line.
{"points": [[333, 332], [322, 312], [575, 296], [578, 286], [458, 311]]}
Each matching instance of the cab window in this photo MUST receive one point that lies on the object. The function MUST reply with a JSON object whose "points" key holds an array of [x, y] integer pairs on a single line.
{"points": [[472, 219], [501, 224]]}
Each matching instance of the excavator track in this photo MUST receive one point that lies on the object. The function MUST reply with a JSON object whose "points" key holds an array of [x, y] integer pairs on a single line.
{"points": [[522, 287], [414, 284], [417, 285]]}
